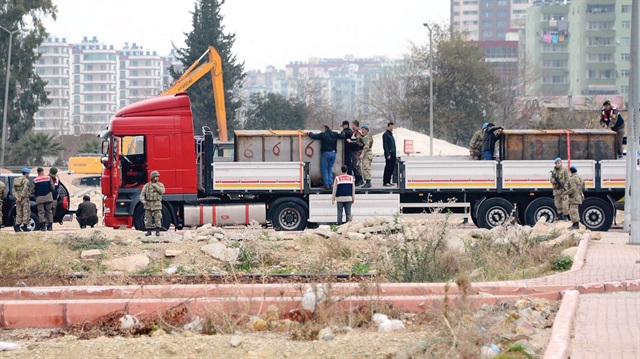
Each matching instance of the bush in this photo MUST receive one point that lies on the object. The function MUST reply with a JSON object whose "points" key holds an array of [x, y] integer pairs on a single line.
{"points": [[561, 263], [96, 240]]}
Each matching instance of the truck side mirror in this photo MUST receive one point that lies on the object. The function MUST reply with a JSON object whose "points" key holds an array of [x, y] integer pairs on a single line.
{"points": [[105, 147]]}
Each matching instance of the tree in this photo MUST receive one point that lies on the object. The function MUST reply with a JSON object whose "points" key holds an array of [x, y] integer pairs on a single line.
{"points": [[466, 89], [31, 149], [209, 31], [275, 112], [92, 146], [26, 88]]}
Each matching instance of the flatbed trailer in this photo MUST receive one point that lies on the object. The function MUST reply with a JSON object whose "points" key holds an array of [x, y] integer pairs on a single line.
{"points": [[272, 176]]}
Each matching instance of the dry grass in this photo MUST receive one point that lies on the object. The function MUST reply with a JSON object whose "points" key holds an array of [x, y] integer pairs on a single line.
{"points": [[24, 255]]}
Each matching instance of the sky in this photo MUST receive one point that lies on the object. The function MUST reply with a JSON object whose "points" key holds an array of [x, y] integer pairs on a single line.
{"points": [[268, 32]]}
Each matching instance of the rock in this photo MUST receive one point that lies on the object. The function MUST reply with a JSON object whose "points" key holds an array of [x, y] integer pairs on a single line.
{"points": [[92, 253], [128, 321], [202, 238], [170, 253], [195, 325], [235, 341], [158, 333], [355, 236], [391, 325], [218, 236], [326, 334], [220, 252], [236, 236], [570, 252], [324, 227], [528, 348], [487, 353], [524, 327], [128, 264], [6, 346], [171, 270], [324, 233], [312, 297], [122, 241], [204, 229], [188, 236], [165, 238], [541, 229], [259, 325]]}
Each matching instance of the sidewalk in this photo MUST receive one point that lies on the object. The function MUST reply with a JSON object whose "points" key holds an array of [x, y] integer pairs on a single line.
{"points": [[606, 325]]}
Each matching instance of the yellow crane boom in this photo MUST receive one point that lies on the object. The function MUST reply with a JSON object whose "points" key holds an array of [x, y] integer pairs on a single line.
{"points": [[194, 73]]}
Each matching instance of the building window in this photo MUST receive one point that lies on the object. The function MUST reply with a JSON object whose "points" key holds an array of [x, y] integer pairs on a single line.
{"points": [[625, 57], [626, 8], [600, 25], [598, 8], [502, 2], [625, 41], [624, 73], [624, 89], [469, 13], [470, 2], [487, 34], [626, 24]]}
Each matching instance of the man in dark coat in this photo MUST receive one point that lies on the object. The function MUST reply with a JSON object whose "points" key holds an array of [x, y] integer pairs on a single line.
{"points": [[87, 213], [389, 148], [328, 146]]}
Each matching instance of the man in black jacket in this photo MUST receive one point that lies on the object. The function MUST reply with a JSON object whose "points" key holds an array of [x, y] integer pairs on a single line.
{"points": [[491, 136], [389, 148], [87, 213], [346, 148], [328, 145]]}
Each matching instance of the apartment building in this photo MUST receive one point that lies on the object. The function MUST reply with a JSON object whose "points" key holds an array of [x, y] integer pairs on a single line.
{"points": [[582, 48], [488, 20], [140, 74]]}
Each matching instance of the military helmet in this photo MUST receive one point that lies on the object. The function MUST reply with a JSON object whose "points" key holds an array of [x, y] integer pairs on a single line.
{"points": [[154, 174]]}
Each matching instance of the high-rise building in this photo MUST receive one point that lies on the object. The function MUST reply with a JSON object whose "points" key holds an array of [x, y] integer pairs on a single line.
{"points": [[140, 74], [53, 67], [488, 20], [582, 48], [94, 85]]}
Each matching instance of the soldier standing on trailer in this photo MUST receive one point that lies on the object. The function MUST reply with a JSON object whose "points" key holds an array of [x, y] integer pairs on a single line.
{"points": [[575, 190], [560, 179], [366, 156], [355, 144], [151, 198]]}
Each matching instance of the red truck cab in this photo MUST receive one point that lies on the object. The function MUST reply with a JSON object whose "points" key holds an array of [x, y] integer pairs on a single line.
{"points": [[151, 135]]}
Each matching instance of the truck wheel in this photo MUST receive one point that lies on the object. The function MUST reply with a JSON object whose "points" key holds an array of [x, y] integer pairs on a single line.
{"points": [[494, 212], [596, 214], [138, 218], [33, 223], [289, 216], [540, 207]]}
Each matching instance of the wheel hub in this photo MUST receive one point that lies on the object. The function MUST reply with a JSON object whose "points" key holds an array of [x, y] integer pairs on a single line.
{"points": [[593, 216], [289, 218], [496, 216]]}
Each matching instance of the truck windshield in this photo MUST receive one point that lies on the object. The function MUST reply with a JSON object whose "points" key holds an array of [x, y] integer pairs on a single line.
{"points": [[133, 160]]}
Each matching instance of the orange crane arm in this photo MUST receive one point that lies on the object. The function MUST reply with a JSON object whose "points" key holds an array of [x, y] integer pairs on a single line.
{"points": [[194, 73]]}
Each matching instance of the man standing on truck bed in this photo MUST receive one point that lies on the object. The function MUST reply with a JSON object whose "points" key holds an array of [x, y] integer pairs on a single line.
{"points": [[475, 146], [354, 143], [347, 132], [366, 156], [328, 145], [575, 190], [611, 119], [560, 180], [489, 139], [43, 191], [23, 203], [389, 148], [151, 198]]}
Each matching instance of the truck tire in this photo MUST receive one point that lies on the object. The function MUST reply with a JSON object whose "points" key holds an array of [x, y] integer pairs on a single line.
{"points": [[494, 212], [138, 218], [596, 214], [289, 215], [540, 207]]}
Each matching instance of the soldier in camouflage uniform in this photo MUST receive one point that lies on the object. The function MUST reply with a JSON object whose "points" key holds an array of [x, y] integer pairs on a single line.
{"points": [[22, 192], [3, 195], [560, 180], [575, 189], [475, 146], [366, 156], [151, 198]]}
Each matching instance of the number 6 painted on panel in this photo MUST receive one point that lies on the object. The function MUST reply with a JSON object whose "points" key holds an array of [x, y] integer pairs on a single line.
{"points": [[247, 152], [308, 151], [276, 149]]}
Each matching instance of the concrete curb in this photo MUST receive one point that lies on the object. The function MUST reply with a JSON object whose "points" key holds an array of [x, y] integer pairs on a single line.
{"points": [[579, 258], [560, 340]]}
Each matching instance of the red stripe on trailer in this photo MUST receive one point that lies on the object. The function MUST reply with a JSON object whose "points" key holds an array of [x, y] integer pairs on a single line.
{"points": [[201, 215], [246, 212]]}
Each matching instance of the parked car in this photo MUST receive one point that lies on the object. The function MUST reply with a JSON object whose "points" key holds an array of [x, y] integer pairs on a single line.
{"points": [[91, 181], [9, 206]]}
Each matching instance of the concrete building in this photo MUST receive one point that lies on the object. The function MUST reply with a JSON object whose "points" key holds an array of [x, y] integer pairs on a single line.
{"points": [[140, 74], [54, 68], [167, 62], [488, 20], [582, 48], [94, 85]]}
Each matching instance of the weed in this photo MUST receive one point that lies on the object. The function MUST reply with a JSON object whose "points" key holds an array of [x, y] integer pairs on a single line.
{"points": [[561, 263], [334, 228], [96, 240], [285, 270], [183, 270], [516, 351], [335, 248], [361, 268], [156, 266], [264, 236]]}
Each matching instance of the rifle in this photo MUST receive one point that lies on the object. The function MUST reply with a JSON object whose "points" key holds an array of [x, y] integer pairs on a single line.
{"points": [[557, 179]]}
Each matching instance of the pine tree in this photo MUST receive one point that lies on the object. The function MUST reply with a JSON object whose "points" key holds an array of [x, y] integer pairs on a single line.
{"points": [[26, 88], [209, 31]]}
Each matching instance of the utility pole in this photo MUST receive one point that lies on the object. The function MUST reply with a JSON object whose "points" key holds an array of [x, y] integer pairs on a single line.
{"points": [[6, 94], [430, 89], [634, 107]]}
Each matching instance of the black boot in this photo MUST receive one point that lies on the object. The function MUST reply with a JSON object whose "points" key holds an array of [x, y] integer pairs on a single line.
{"points": [[17, 228], [24, 228], [367, 184], [148, 233], [49, 226], [157, 232], [576, 225], [43, 227], [359, 181]]}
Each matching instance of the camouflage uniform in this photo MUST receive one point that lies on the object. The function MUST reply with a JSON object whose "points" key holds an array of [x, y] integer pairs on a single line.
{"points": [[151, 198], [575, 190], [558, 192], [367, 156], [3, 195], [356, 162], [22, 191], [475, 146]]}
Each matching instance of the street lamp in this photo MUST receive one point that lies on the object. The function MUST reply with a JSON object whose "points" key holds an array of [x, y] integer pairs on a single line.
{"points": [[430, 89], [6, 93]]}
